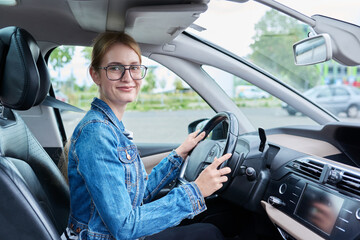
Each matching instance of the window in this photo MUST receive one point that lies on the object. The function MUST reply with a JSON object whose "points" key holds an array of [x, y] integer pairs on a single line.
{"points": [[324, 92], [356, 91], [341, 92], [165, 106], [262, 109]]}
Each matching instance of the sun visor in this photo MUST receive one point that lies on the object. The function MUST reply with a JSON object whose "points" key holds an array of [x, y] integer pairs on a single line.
{"points": [[96, 21], [161, 24]]}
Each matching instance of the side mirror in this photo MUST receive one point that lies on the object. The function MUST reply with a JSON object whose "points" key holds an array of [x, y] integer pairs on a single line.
{"points": [[313, 50]]}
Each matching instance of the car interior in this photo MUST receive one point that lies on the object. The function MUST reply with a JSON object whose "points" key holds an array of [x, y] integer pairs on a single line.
{"points": [[297, 181]]}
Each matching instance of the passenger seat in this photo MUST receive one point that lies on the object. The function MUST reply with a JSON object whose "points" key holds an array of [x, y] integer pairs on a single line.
{"points": [[34, 196]]}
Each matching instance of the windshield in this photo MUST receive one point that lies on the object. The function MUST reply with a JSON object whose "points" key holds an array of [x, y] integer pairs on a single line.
{"points": [[265, 37]]}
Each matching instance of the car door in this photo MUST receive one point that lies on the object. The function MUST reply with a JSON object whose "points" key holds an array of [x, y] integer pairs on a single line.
{"points": [[324, 98], [341, 99]]}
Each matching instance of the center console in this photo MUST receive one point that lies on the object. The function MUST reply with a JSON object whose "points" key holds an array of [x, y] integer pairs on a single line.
{"points": [[314, 194]]}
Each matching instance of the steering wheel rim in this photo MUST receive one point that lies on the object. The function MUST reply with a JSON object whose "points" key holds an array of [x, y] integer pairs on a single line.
{"points": [[209, 149]]}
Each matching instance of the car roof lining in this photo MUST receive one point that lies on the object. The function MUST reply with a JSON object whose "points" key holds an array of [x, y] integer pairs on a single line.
{"points": [[62, 18]]}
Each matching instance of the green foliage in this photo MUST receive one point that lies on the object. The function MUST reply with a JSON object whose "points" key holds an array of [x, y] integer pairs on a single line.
{"points": [[149, 83], [86, 52], [271, 102], [168, 101], [178, 84], [81, 96], [272, 49], [61, 56]]}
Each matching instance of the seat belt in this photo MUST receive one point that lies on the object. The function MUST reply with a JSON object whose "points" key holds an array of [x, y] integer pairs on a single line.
{"points": [[55, 103]]}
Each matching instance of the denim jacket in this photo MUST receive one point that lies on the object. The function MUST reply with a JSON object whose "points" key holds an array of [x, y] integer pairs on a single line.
{"points": [[110, 191]]}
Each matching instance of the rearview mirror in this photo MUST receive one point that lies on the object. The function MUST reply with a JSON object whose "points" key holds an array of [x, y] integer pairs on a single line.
{"points": [[313, 50]]}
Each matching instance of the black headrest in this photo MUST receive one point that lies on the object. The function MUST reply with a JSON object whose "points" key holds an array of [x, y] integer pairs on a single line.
{"points": [[24, 77]]}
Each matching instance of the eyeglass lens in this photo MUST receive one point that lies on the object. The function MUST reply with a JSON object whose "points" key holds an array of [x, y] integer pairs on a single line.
{"points": [[116, 72]]}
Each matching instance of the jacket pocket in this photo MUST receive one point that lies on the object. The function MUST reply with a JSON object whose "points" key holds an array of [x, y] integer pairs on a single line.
{"points": [[127, 154]]}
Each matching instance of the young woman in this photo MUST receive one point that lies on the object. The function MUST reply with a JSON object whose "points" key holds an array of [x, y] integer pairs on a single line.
{"points": [[110, 191]]}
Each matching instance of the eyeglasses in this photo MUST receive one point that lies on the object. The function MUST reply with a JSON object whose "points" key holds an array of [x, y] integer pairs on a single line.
{"points": [[116, 72]]}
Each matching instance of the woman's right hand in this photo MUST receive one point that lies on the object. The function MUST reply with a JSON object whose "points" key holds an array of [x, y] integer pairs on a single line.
{"points": [[211, 178]]}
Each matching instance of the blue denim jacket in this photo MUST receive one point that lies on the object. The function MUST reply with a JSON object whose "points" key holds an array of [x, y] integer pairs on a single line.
{"points": [[110, 191]]}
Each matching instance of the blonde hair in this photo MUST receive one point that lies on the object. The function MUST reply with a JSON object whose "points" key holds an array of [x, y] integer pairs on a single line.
{"points": [[104, 41]]}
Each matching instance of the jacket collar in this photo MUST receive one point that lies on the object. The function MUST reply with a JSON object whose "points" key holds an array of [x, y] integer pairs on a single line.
{"points": [[103, 107]]}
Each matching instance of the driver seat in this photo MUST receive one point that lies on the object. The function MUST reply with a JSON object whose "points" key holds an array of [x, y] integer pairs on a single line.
{"points": [[34, 196]]}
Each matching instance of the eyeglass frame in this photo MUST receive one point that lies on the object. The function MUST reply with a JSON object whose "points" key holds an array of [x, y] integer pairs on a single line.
{"points": [[122, 75]]}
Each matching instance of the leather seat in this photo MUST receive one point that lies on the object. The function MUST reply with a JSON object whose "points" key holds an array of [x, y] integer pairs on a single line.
{"points": [[34, 196]]}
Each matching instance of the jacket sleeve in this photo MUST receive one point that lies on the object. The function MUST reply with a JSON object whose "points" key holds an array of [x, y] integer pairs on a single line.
{"points": [[104, 176], [162, 174]]}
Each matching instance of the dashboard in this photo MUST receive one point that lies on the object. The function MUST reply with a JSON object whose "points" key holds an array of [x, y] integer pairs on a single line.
{"points": [[307, 179], [320, 195]]}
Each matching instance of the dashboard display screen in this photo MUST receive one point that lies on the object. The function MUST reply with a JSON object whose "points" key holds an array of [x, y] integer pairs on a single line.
{"points": [[320, 208]]}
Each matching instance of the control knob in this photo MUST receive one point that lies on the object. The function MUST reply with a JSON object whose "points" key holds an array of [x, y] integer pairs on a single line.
{"points": [[334, 177], [275, 202], [250, 173]]}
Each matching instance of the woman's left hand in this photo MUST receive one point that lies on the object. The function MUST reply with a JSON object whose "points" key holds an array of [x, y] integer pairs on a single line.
{"points": [[190, 142]]}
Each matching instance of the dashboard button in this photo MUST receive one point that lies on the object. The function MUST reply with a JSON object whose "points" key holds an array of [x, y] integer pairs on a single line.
{"points": [[345, 214], [282, 188], [343, 221], [297, 190]]}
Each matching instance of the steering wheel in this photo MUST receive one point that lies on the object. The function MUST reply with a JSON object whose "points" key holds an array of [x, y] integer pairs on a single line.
{"points": [[206, 150]]}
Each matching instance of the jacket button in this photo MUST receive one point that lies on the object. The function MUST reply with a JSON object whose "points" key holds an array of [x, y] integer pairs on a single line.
{"points": [[78, 230]]}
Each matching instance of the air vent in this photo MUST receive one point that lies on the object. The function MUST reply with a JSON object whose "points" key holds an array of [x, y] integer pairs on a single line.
{"points": [[350, 182], [307, 167]]}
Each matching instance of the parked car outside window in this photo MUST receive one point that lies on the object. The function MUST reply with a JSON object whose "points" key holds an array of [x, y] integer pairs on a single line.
{"points": [[251, 92], [337, 99], [61, 96]]}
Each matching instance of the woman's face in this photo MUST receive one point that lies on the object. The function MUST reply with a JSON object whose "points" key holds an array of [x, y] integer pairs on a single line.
{"points": [[120, 92]]}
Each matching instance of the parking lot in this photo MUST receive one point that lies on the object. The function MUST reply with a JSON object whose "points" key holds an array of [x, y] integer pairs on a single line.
{"points": [[171, 126]]}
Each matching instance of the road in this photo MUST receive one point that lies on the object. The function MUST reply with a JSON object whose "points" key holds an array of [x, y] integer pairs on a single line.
{"points": [[171, 126]]}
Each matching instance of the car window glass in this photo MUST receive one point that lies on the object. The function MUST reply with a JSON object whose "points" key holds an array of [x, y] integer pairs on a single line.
{"points": [[161, 114], [341, 92], [262, 109], [323, 92], [356, 91]]}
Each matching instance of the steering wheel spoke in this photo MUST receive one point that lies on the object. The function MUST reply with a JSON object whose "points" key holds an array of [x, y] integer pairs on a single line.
{"points": [[205, 152]]}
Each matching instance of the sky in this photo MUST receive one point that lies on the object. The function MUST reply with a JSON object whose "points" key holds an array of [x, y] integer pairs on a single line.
{"points": [[241, 19]]}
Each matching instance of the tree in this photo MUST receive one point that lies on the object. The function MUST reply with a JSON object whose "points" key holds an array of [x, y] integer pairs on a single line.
{"points": [[274, 36], [178, 84], [61, 56], [150, 81], [87, 53]]}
